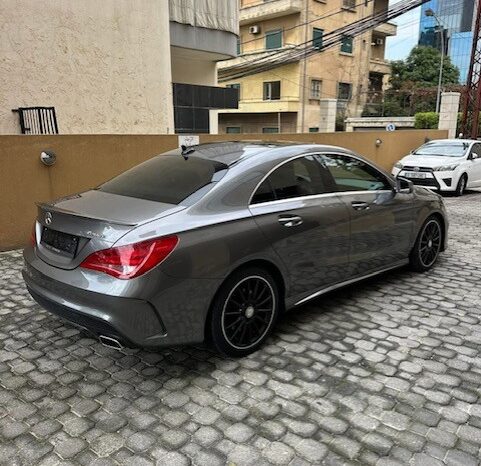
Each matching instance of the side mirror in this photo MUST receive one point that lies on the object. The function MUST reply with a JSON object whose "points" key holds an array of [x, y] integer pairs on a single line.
{"points": [[404, 186], [473, 156]]}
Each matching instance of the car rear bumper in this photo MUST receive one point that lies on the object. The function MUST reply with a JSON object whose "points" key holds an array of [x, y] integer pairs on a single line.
{"points": [[165, 311], [133, 322]]}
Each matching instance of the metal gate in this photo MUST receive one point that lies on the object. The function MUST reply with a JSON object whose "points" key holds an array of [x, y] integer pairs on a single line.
{"points": [[37, 120]]}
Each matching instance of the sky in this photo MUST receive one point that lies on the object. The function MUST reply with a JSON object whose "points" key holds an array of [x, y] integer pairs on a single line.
{"points": [[398, 47]]}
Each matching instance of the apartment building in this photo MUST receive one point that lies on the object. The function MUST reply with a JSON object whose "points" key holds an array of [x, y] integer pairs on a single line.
{"points": [[294, 96], [129, 66]]}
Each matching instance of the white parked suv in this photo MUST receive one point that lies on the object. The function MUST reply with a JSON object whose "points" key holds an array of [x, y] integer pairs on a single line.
{"points": [[444, 165]]}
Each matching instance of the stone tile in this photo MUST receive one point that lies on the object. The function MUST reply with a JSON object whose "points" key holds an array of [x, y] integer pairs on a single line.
{"points": [[382, 373]]}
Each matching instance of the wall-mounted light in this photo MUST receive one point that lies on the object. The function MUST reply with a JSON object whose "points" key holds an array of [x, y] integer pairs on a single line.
{"points": [[378, 142], [48, 157]]}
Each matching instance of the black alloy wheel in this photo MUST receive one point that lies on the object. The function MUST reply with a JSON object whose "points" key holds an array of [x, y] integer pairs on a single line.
{"points": [[244, 312], [428, 245]]}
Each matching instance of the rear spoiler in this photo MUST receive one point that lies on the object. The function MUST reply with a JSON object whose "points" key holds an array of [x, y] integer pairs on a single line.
{"points": [[53, 208]]}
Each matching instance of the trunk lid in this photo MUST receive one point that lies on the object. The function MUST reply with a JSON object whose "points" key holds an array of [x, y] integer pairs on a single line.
{"points": [[71, 228]]}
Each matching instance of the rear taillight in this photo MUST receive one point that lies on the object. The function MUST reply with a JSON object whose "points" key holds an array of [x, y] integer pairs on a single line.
{"points": [[33, 235], [131, 260]]}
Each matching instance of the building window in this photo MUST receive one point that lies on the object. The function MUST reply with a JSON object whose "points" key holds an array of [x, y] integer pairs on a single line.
{"points": [[270, 129], [272, 90], [346, 44], [349, 4], [344, 91], [239, 49], [315, 89], [232, 129], [273, 39], [317, 38], [314, 129]]}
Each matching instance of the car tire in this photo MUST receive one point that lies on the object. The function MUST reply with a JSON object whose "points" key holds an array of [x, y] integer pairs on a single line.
{"points": [[461, 186], [238, 325], [428, 244]]}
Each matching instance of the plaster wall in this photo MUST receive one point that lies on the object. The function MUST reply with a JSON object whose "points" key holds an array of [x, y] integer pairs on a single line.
{"points": [[104, 66]]}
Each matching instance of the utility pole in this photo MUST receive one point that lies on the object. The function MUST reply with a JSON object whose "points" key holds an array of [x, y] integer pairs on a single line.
{"points": [[303, 76], [430, 12], [472, 100]]}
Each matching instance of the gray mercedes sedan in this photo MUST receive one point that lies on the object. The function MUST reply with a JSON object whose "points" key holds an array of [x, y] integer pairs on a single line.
{"points": [[213, 242]]}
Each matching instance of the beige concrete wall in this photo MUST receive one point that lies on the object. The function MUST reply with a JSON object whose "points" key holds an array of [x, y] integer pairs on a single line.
{"points": [[193, 67], [104, 65], [84, 161], [394, 146]]}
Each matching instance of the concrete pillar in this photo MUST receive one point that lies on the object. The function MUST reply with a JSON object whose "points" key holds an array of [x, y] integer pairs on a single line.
{"points": [[327, 123], [349, 125], [448, 115], [214, 121]]}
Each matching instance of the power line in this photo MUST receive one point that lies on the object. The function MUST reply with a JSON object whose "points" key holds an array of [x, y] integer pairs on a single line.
{"points": [[317, 18], [305, 49], [332, 38]]}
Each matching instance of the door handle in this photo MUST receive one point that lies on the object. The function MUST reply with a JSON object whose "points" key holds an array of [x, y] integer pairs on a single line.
{"points": [[290, 220], [358, 205]]}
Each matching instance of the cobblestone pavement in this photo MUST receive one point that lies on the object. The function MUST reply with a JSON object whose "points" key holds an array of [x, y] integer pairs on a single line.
{"points": [[386, 372]]}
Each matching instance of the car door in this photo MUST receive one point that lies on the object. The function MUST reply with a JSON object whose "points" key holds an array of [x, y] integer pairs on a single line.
{"points": [[474, 166], [382, 220], [306, 223]]}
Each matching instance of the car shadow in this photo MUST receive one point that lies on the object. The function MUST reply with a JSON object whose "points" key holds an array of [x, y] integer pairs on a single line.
{"points": [[347, 293], [190, 361], [467, 193]]}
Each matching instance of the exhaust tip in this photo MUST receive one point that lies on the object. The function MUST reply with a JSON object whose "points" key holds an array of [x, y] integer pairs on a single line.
{"points": [[110, 342]]}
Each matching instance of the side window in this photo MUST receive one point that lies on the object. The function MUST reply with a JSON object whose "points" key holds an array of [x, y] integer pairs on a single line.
{"points": [[476, 149], [264, 193], [300, 177], [351, 174]]}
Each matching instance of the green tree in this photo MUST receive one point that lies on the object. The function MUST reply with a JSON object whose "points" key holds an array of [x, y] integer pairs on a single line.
{"points": [[421, 69], [414, 83]]}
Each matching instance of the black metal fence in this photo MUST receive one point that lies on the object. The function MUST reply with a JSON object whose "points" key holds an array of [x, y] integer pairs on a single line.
{"points": [[37, 120]]}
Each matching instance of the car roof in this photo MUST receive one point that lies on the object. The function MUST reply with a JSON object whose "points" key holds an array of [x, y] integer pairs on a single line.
{"points": [[231, 152]]}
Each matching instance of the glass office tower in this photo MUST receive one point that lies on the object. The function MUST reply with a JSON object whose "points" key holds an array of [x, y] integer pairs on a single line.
{"points": [[457, 20]]}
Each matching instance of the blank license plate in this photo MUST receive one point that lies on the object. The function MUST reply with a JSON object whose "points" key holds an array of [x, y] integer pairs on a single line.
{"points": [[415, 175], [58, 241]]}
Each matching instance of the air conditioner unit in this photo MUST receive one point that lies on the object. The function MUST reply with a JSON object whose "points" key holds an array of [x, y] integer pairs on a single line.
{"points": [[254, 29], [379, 41]]}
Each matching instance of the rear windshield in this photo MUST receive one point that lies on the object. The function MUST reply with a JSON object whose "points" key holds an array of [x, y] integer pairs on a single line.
{"points": [[166, 178]]}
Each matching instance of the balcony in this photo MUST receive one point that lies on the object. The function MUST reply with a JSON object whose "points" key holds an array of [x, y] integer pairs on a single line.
{"points": [[379, 66], [269, 9], [243, 63], [289, 104], [386, 29]]}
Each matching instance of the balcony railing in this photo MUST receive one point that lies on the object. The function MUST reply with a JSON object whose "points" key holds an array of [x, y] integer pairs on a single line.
{"points": [[248, 61], [386, 29], [349, 4], [377, 65], [268, 10]]}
